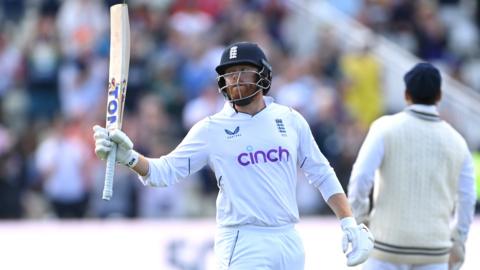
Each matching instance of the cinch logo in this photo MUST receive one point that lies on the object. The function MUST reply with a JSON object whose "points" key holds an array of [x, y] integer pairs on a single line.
{"points": [[272, 155]]}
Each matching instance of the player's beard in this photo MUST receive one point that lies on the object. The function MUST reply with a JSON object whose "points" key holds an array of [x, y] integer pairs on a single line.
{"points": [[245, 101]]}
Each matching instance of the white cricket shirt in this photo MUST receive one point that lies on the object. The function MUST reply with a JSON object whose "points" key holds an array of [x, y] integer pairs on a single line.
{"points": [[255, 161]]}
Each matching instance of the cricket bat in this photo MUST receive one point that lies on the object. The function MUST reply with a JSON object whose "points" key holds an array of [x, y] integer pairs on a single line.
{"points": [[117, 83]]}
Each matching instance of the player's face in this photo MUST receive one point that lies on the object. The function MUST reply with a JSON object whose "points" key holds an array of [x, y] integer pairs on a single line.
{"points": [[241, 81]]}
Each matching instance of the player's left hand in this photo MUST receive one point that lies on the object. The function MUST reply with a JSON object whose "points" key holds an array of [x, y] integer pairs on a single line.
{"points": [[359, 238]]}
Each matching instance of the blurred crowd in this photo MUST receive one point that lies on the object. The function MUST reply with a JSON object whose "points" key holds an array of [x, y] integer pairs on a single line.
{"points": [[54, 64], [445, 32]]}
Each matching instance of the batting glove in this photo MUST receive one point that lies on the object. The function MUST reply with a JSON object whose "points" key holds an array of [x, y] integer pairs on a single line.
{"points": [[104, 142], [359, 238], [457, 253]]}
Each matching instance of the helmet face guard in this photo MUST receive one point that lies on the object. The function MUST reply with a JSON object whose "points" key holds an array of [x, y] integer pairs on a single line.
{"points": [[261, 83], [244, 53]]}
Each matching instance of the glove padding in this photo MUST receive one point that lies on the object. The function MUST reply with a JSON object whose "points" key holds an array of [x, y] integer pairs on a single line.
{"points": [[360, 239], [104, 142], [457, 253]]}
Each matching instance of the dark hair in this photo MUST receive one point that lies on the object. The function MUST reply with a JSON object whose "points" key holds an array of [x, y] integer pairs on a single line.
{"points": [[423, 83]]}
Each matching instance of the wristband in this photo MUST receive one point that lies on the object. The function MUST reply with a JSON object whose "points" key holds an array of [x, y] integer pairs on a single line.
{"points": [[133, 160]]}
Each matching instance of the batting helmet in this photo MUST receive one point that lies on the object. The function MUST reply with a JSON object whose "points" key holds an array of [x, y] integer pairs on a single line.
{"points": [[245, 53]]}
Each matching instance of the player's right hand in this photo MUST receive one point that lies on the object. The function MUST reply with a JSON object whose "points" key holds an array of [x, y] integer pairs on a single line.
{"points": [[457, 256], [457, 253], [104, 142]]}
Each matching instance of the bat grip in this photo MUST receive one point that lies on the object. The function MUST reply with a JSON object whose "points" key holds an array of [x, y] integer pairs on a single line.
{"points": [[109, 172]]}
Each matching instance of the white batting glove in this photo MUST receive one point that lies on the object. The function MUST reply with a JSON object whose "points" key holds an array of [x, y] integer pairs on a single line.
{"points": [[359, 238], [103, 145], [457, 253]]}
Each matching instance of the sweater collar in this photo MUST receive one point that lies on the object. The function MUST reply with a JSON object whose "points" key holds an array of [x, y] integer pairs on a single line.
{"points": [[426, 112]]}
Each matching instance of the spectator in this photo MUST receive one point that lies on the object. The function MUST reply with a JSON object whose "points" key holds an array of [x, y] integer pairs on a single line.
{"points": [[476, 160], [362, 92], [43, 62], [62, 161]]}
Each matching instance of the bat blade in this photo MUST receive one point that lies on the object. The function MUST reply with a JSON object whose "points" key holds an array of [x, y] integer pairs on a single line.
{"points": [[117, 83]]}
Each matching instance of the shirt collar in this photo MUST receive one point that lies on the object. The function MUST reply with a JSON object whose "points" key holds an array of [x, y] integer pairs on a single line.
{"points": [[230, 111]]}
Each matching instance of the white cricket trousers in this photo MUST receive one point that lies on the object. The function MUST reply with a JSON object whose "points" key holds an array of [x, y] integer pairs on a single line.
{"points": [[251, 247], [374, 264]]}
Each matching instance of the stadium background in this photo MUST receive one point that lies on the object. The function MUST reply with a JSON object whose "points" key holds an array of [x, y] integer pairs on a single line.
{"points": [[334, 69]]}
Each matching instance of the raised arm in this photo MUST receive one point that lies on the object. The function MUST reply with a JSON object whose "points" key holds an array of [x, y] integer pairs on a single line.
{"points": [[188, 157]]}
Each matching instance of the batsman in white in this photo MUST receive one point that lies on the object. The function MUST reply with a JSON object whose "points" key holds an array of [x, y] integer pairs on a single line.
{"points": [[254, 147], [425, 172]]}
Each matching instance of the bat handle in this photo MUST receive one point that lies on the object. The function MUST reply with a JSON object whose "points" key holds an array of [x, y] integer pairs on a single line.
{"points": [[109, 172]]}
